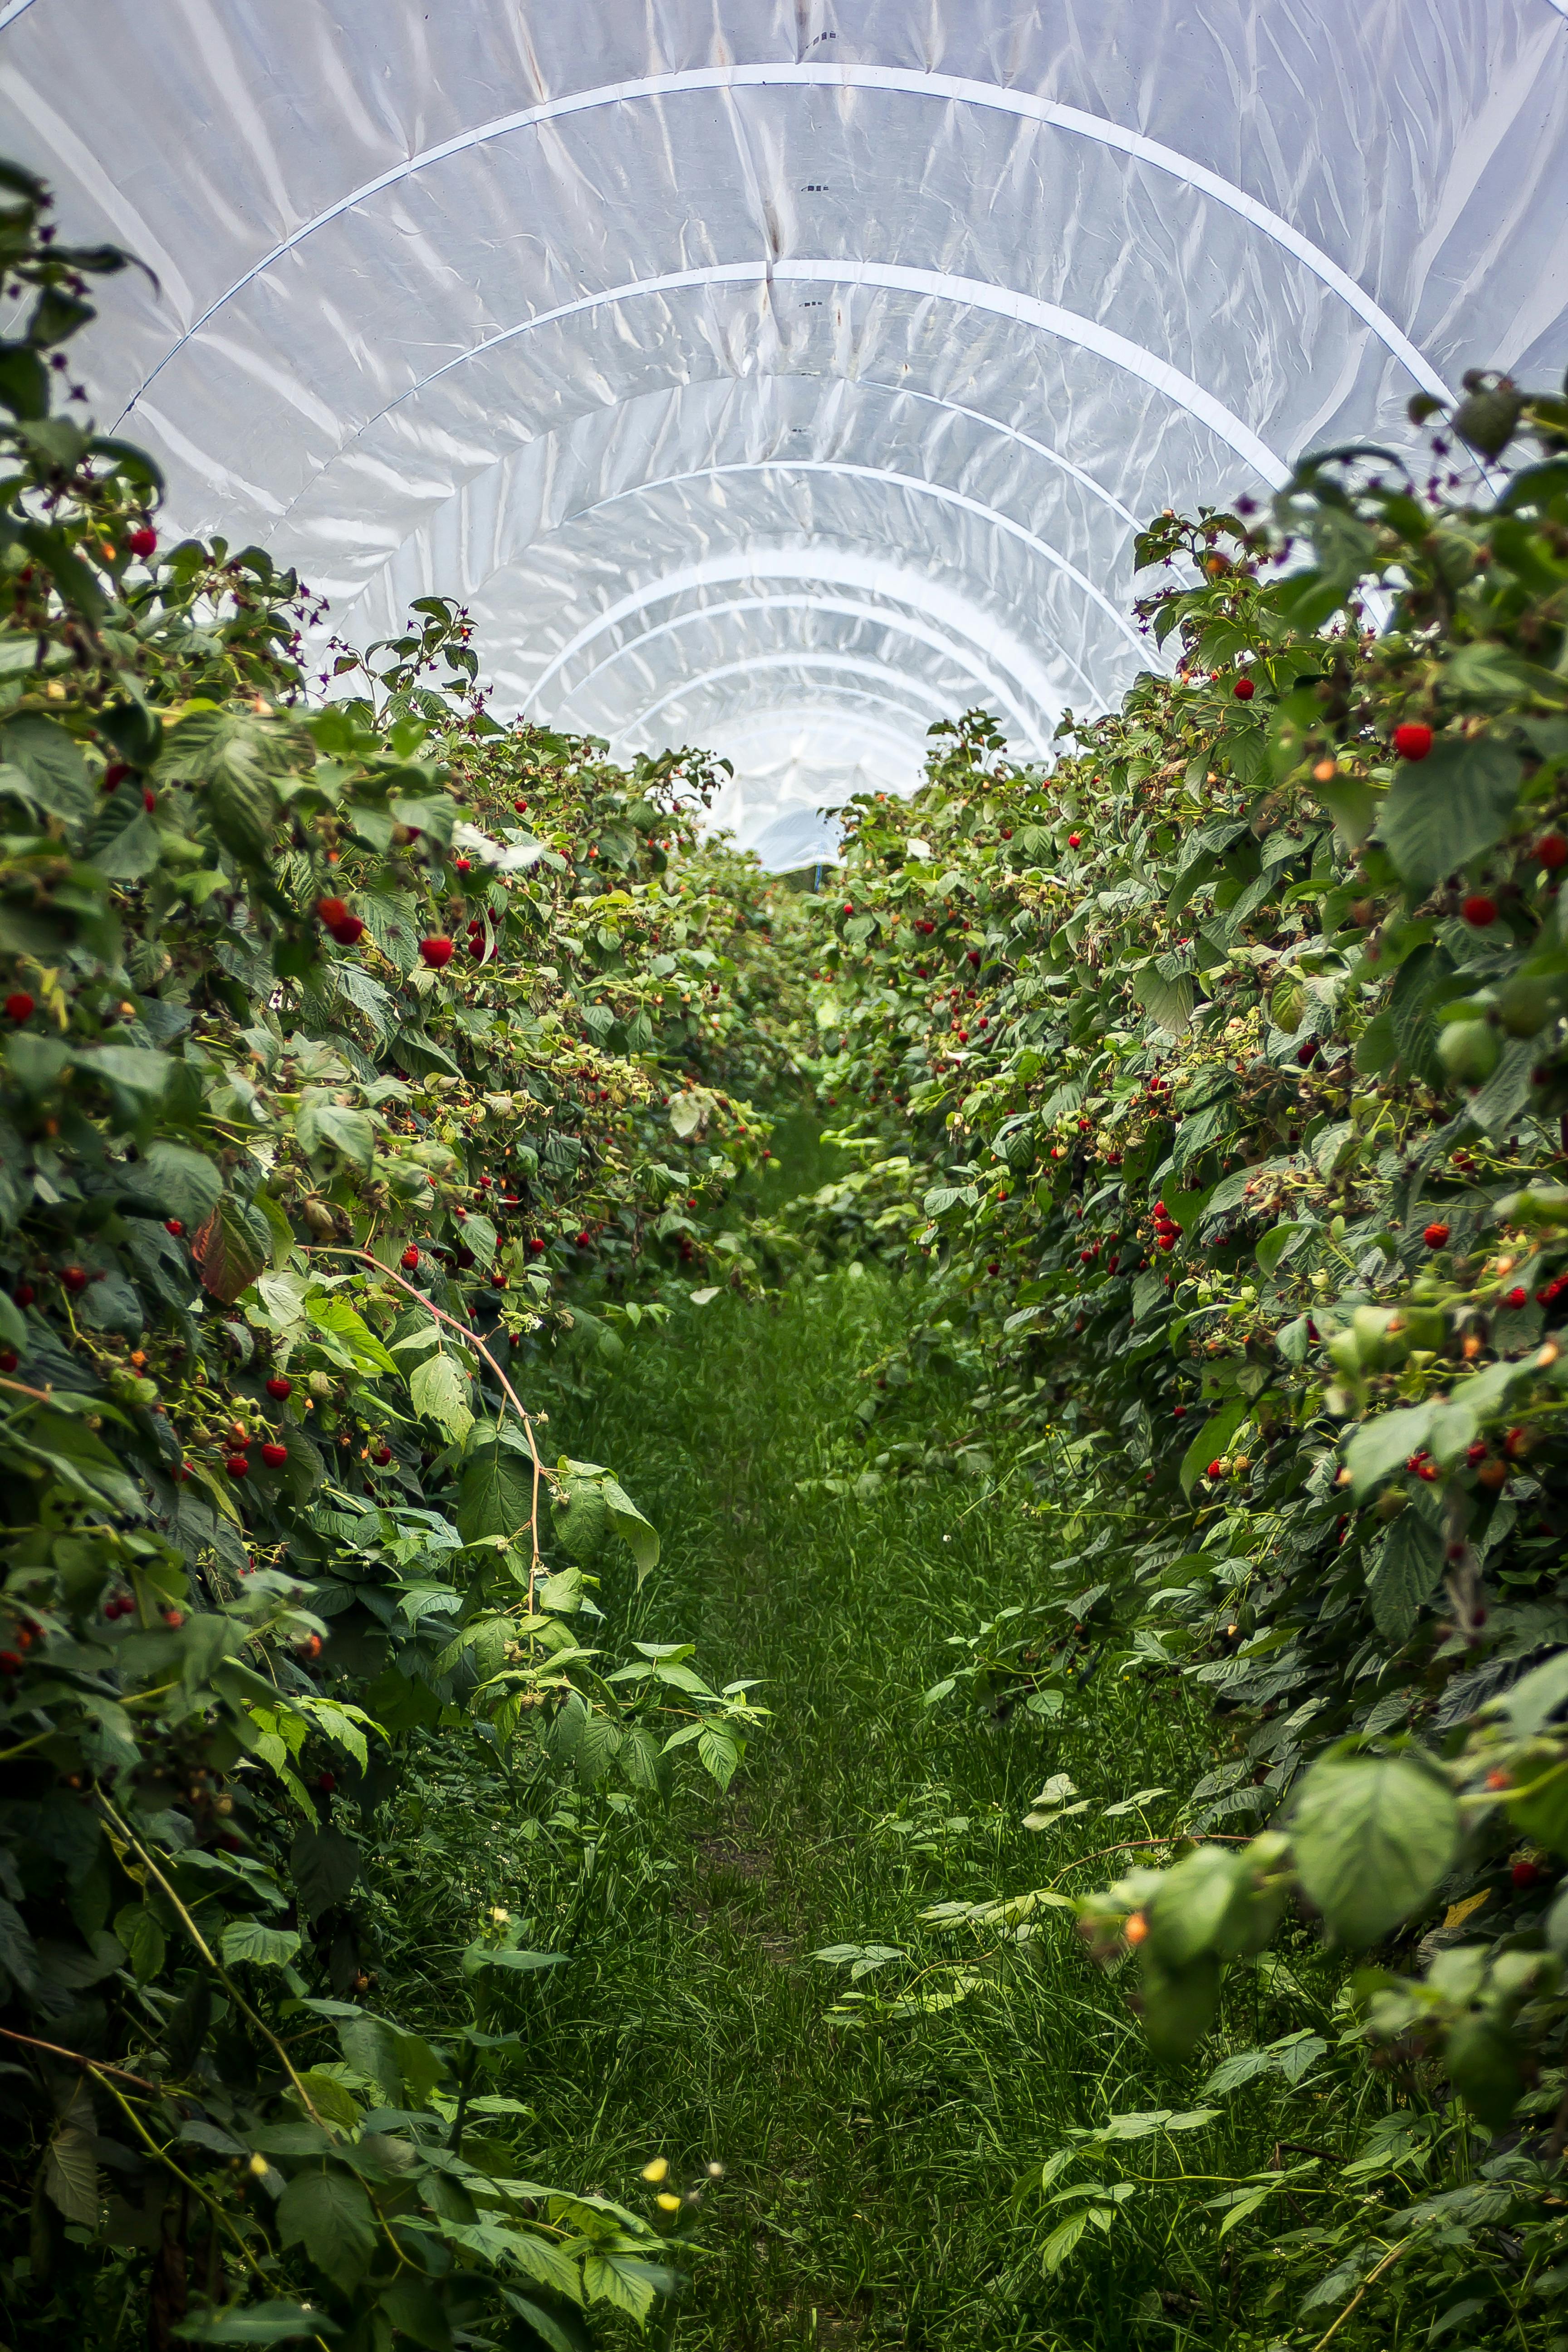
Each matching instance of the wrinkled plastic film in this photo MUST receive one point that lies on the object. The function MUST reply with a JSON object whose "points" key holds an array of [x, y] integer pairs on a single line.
{"points": [[780, 378]]}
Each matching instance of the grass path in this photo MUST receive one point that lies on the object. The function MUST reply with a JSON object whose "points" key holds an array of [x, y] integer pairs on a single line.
{"points": [[870, 2175], [869, 2197]]}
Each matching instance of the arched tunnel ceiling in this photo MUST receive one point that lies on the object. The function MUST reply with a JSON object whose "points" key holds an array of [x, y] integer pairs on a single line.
{"points": [[782, 377]]}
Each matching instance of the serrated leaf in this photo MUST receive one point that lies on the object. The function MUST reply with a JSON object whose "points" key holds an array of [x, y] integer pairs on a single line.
{"points": [[1374, 1836], [1380, 1446], [1405, 1577], [143, 1940], [267, 1947], [640, 1538], [324, 1865], [1447, 808], [330, 2215], [438, 1389], [231, 1249], [496, 1496]]}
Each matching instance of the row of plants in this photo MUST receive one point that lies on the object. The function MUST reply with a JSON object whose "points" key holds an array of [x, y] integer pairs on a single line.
{"points": [[358, 1049], [1215, 1083]]}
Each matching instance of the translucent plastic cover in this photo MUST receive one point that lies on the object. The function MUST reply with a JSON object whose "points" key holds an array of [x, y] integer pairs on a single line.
{"points": [[782, 377]]}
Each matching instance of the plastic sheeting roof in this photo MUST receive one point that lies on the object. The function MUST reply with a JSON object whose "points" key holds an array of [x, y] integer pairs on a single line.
{"points": [[783, 374]]}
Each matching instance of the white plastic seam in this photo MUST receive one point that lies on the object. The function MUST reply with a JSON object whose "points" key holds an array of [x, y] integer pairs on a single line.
{"points": [[879, 616], [848, 664], [935, 284], [842, 467], [1025, 104], [844, 566], [9, 13]]}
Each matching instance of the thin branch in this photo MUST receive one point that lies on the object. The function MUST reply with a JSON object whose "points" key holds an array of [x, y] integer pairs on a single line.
{"points": [[93, 2066], [1370, 2281], [474, 1341], [204, 1948], [1177, 1837]]}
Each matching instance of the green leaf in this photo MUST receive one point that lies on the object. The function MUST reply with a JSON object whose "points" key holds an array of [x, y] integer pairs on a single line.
{"points": [[350, 1131], [279, 2320], [581, 1525], [438, 1389], [330, 2215], [1374, 1835], [70, 2169], [640, 1537], [143, 1940], [267, 1947], [483, 1956], [184, 1183], [1447, 808], [622, 2282], [1382, 1446], [1281, 1241], [1212, 1440], [50, 760], [1405, 1577], [497, 1492], [324, 1865], [1062, 2240], [236, 757]]}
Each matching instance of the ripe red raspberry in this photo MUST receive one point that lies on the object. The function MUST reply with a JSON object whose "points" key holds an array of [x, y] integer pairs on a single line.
{"points": [[10, 1360], [24, 1293], [349, 932], [535, 1246], [326, 1783], [277, 1388], [1526, 1873], [1412, 738], [114, 775], [1478, 910], [237, 1466], [436, 952], [1516, 1296], [75, 1279], [1435, 1236], [143, 541], [149, 799], [1216, 1470], [409, 1259], [173, 1619], [274, 1454], [1244, 690], [994, 1267], [1074, 839], [331, 912], [382, 1455], [1552, 851], [464, 865], [1307, 1052], [584, 1241], [10, 1664], [19, 1005], [173, 1225]]}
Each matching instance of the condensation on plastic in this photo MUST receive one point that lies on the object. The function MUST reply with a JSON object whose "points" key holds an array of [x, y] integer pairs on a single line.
{"points": [[784, 377]]}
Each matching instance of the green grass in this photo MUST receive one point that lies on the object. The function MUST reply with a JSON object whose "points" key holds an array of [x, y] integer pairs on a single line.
{"points": [[869, 2192]]}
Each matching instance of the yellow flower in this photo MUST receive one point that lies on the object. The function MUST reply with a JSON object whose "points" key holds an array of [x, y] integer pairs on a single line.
{"points": [[666, 2203], [659, 2169]]}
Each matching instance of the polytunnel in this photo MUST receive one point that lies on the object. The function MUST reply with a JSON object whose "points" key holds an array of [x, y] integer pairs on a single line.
{"points": [[783, 378]]}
